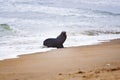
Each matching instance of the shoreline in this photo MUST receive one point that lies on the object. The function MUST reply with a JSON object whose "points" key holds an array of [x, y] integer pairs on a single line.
{"points": [[89, 62], [98, 43]]}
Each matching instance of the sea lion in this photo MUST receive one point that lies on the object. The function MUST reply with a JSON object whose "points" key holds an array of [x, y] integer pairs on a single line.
{"points": [[56, 42]]}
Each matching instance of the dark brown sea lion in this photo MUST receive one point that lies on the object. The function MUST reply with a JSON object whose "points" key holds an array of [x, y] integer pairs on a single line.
{"points": [[56, 42]]}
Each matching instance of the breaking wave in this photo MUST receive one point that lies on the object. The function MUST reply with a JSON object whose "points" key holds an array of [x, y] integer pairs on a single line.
{"points": [[106, 13], [97, 32], [5, 29]]}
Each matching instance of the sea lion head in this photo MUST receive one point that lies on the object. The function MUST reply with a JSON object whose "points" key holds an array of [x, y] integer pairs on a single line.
{"points": [[62, 37]]}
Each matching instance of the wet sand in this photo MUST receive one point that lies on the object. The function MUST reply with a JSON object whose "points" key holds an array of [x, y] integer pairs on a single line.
{"points": [[96, 62]]}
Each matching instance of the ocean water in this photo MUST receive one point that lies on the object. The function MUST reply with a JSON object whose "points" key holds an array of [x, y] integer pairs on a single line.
{"points": [[25, 24]]}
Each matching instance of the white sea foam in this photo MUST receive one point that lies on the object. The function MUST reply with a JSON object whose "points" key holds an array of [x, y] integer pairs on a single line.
{"points": [[27, 23]]}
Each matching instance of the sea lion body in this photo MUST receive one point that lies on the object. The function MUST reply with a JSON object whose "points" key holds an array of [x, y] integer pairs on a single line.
{"points": [[56, 42]]}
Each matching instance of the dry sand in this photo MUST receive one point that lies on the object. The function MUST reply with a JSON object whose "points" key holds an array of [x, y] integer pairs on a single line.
{"points": [[96, 62]]}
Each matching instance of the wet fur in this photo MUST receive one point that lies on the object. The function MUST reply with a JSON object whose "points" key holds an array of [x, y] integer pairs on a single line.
{"points": [[56, 42]]}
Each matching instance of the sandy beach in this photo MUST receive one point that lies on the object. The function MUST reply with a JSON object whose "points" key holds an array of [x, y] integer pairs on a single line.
{"points": [[96, 62]]}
